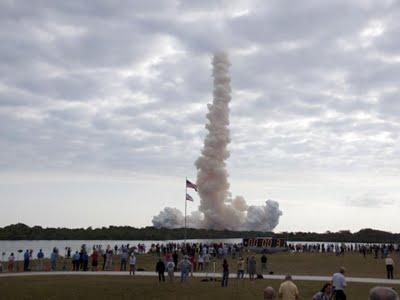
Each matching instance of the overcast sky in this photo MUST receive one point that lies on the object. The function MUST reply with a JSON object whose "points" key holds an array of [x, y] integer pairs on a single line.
{"points": [[103, 103]]}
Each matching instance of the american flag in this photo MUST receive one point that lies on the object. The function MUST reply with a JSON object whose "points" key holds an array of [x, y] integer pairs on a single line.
{"points": [[191, 185], [189, 198]]}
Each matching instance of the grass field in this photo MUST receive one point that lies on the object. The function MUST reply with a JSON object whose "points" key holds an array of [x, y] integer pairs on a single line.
{"points": [[282, 263], [148, 288]]}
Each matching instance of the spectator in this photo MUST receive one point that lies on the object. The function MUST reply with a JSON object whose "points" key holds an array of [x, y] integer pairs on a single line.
{"points": [[383, 293], [53, 259], [269, 293], [185, 267], [26, 260], [389, 267], [339, 284], [263, 263], [11, 260], [95, 260], [85, 261], [325, 293], [75, 261], [40, 257], [132, 264], [160, 269], [225, 273], [201, 262], [175, 259], [170, 270], [240, 268], [124, 258], [288, 290], [108, 265], [252, 267]]}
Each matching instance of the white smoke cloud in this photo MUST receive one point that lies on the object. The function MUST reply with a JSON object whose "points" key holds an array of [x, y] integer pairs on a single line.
{"points": [[169, 218], [217, 210]]}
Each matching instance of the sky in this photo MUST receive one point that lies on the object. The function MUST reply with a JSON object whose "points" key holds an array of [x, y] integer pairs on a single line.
{"points": [[103, 109]]}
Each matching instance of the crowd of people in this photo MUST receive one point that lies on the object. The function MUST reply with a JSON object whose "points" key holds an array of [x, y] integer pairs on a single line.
{"points": [[190, 257]]}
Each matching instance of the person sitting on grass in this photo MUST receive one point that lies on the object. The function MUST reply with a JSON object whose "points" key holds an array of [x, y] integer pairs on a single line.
{"points": [[269, 293], [325, 293], [288, 290], [383, 293]]}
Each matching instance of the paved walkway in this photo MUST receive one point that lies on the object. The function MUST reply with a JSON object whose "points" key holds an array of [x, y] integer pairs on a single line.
{"points": [[214, 275]]}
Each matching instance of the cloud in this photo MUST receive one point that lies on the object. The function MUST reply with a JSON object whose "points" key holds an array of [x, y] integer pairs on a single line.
{"points": [[371, 200], [125, 86]]}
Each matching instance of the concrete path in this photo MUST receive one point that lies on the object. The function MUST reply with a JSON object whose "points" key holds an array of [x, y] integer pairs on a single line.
{"points": [[212, 275]]}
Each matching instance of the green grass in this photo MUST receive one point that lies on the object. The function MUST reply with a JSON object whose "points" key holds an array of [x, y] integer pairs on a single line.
{"points": [[148, 288], [282, 263]]}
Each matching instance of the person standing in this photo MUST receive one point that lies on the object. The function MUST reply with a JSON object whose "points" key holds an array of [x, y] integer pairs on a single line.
{"points": [[185, 267], [109, 255], [40, 257], [201, 262], [85, 261], [263, 263], [389, 267], [170, 270], [53, 259], [160, 269], [240, 268], [175, 259], [132, 264], [288, 290], [252, 267], [26, 260], [339, 284], [95, 260], [75, 261], [124, 258], [11, 260], [225, 273]]}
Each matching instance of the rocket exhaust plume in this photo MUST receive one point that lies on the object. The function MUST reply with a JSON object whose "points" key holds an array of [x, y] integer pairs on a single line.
{"points": [[217, 210]]}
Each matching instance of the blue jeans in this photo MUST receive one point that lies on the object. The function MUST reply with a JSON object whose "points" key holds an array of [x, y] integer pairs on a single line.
{"points": [[184, 275], [225, 277]]}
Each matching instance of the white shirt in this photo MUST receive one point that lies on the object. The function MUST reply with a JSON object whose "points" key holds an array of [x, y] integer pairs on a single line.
{"points": [[389, 261], [170, 266], [338, 281], [132, 260]]}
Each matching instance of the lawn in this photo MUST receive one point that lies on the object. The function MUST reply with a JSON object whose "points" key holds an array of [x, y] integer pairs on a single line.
{"points": [[281, 263], [125, 287]]}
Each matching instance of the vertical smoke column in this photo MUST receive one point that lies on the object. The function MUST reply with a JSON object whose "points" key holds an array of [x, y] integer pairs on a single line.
{"points": [[212, 177]]}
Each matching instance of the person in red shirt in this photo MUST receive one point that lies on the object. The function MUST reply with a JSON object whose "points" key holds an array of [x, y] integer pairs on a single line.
{"points": [[95, 260]]}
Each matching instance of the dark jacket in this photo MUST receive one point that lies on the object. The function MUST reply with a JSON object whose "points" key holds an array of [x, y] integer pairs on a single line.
{"points": [[160, 267]]}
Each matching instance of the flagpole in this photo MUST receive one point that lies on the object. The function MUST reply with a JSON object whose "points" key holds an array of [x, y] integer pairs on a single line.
{"points": [[185, 209]]}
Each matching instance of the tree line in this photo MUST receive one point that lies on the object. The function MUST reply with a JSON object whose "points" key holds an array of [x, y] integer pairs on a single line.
{"points": [[24, 232]]}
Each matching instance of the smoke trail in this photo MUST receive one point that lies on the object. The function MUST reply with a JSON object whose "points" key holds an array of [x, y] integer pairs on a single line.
{"points": [[217, 210]]}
